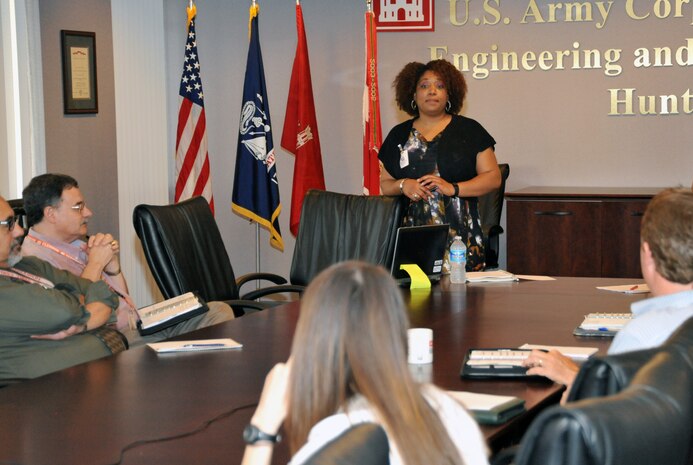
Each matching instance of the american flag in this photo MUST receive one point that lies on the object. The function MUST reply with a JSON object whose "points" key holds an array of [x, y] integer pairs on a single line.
{"points": [[192, 160]]}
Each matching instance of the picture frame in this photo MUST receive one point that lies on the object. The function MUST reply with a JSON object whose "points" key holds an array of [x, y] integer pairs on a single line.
{"points": [[80, 90]]}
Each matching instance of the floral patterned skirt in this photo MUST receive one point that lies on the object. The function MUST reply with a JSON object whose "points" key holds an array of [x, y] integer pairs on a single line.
{"points": [[463, 217]]}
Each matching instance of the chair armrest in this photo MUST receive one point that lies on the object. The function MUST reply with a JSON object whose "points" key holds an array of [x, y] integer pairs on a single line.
{"points": [[242, 307], [505, 456], [273, 278], [495, 230], [256, 294]]}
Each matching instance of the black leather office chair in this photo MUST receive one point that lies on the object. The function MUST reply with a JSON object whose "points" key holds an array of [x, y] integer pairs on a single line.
{"points": [[634, 407], [362, 444], [18, 209], [490, 209], [336, 227], [185, 253], [604, 376]]}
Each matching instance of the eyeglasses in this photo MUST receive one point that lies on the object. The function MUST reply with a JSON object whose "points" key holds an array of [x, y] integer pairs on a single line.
{"points": [[9, 222], [79, 207]]}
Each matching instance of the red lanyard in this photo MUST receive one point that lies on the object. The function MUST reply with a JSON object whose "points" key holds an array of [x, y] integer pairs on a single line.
{"points": [[55, 249], [79, 262], [14, 273]]}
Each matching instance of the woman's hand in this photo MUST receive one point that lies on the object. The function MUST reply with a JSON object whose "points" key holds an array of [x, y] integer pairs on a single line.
{"points": [[271, 409], [415, 190], [270, 413], [434, 183]]}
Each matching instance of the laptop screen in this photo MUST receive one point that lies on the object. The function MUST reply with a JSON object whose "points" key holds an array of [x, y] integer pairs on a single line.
{"points": [[421, 245]]}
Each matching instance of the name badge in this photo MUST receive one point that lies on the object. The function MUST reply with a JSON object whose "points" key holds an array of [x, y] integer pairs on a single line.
{"points": [[403, 157]]}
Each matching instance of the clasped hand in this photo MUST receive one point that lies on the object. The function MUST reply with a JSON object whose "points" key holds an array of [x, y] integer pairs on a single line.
{"points": [[103, 249], [424, 187]]}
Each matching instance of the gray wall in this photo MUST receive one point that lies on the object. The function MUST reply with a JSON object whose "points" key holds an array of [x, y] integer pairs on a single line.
{"points": [[83, 146], [552, 126]]}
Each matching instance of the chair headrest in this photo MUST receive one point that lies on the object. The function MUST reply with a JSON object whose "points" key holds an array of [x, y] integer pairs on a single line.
{"points": [[362, 444]]}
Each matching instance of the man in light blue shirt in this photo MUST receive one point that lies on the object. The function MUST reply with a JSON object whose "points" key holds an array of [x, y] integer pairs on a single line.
{"points": [[653, 321], [666, 261]]}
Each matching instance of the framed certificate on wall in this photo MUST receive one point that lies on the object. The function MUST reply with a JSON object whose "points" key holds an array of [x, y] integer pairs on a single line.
{"points": [[79, 72]]}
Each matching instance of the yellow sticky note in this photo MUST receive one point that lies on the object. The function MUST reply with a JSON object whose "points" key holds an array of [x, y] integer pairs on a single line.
{"points": [[419, 280]]}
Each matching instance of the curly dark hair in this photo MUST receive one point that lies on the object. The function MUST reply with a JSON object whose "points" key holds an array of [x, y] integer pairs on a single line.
{"points": [[408, 77]]}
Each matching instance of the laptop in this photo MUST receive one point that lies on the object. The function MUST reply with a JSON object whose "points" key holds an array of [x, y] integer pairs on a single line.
{"points": [[421, 245]]}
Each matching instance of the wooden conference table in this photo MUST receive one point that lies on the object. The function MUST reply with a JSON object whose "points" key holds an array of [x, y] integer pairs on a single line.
{"points": [[191, 408]]}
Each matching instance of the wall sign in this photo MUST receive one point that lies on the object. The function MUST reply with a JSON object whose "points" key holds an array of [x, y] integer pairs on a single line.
{"points": [[404, 15]]}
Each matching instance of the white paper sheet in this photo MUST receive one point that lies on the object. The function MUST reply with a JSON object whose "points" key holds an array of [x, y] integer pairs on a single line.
{"points": [[199, 345]]}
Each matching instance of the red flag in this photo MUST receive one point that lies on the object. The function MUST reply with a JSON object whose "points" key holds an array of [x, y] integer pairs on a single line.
{"points": [[300, 134], [372, 134], [192, 160]]}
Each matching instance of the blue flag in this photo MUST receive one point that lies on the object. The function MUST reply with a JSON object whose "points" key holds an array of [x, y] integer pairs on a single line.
{"points": [[255, 184]]}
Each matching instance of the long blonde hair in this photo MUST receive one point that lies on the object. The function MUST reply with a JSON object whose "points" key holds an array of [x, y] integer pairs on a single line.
{"points": [[351, 339]]}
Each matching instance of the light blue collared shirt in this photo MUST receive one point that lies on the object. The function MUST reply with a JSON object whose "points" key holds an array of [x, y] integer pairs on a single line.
{"points": [[654, 320]]}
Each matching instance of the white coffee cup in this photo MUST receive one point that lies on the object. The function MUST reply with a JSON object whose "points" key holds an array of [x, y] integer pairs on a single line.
{"points": [[420, 342], [421, 372]]}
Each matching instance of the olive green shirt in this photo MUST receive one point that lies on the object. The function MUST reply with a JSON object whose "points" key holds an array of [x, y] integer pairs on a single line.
{"points": [[30, 309]]}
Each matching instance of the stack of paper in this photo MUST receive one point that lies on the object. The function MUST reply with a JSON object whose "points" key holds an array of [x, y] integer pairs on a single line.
{"points": [[627, 288], [490, 409], [606, 321], [498, 276], [602, 324], [194, 346]]}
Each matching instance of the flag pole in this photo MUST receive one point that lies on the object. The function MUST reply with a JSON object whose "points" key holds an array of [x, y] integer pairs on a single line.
{"points": [[257, 253], [257, 225]]}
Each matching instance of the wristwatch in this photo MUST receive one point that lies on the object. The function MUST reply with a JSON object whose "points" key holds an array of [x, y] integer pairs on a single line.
{"points": [[401, 186], [252, 434], [456, 188]]}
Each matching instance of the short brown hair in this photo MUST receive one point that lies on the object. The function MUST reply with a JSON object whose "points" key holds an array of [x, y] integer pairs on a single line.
{"points": [[407, 79], [667, 227], [43, 191]]}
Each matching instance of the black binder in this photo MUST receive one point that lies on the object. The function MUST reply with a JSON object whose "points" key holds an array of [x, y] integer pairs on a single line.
{"points": [[495, 368], [165, 315]]}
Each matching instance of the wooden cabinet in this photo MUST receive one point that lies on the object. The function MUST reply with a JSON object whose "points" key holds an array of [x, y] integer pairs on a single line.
{"points": [[566, 231]]}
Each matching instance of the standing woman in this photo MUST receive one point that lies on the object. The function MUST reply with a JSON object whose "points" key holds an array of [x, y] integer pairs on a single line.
{"points": [[440, 160], [348, 365]]}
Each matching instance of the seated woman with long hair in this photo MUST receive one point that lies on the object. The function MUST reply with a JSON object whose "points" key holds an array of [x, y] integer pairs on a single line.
{"points": [[348, 365]]}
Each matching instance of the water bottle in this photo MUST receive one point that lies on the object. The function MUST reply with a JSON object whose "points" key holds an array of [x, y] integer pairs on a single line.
{"points": [[458, 261]]}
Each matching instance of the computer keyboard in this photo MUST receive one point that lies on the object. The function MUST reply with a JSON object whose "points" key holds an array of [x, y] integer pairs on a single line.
{"points": [[494, 363]]}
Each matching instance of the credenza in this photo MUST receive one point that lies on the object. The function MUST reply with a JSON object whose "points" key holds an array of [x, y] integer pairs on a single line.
{"points": [[576, 231]]}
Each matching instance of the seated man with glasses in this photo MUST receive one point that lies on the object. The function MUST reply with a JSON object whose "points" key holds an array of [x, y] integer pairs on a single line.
{"points": [[58, 215], [40, 306]]}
